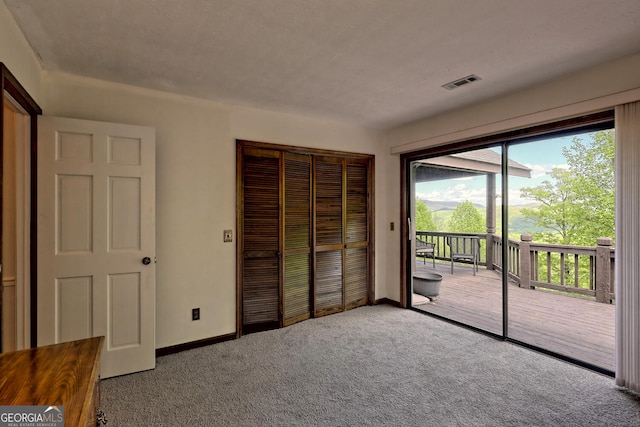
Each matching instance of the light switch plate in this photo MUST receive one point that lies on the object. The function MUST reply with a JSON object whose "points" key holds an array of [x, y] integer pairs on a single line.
{"points": [[228, 236]]}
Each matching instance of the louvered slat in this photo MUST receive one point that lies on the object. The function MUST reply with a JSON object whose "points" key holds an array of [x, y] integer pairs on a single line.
{"points": [[297, 238], [356, 254], [297, 184], [260, 290], [357, 203], [296, 288], [328, 175], [261, 204], [356, 277], [328, 282], [261, 276]]}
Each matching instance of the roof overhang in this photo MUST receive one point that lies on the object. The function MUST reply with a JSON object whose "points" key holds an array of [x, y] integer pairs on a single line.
{"points": [[473, 163]]}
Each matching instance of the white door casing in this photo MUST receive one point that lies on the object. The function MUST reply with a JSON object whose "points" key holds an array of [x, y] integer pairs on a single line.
{"points": [[16, 203], [96, 224]]}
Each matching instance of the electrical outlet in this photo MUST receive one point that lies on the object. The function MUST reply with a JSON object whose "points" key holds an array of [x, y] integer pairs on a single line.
{"points": [[228, 236], [195, 314]]}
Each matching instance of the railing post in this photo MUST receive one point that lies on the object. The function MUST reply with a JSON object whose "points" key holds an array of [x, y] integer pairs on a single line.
{"points": [[603, 269], [525, 260], [489, 251]]}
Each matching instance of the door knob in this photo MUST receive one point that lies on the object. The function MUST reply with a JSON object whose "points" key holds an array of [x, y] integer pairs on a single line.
{"points": [[146, 260]]}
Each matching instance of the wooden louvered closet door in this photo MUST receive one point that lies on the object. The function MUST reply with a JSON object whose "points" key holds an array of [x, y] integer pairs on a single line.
{"points": [[304, 230], [297, 238], [260, 264], [357, 234], [329, 233]]}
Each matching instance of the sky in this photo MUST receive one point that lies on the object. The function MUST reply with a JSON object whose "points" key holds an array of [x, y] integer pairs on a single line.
{"points": [[540, 156]]}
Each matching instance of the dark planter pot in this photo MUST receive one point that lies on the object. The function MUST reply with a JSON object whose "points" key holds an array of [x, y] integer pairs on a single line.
{"points": [[427, 284]]}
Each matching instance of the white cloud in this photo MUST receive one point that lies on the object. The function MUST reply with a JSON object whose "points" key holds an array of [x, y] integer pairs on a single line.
{"points": [[542, 170], [462, 192], [433, 195]]}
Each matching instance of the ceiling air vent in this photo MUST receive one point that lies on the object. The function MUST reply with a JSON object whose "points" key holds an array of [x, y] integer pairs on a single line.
{"points": [[461, 82]]}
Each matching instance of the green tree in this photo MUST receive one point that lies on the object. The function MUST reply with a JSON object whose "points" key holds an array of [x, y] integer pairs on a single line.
{"points": [[557, 210], [578, 203], [424, 217], [466, 218], [593, 165]]}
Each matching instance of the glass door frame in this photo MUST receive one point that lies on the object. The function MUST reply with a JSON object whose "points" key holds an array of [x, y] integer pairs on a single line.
{"points": [[592, 122]]}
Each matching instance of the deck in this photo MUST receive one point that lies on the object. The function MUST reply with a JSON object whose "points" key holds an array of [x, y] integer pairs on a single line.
{"points": [[575, 327]]}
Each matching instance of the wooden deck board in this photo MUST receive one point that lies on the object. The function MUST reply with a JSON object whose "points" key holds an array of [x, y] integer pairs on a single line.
{"points": [[575, 327]]}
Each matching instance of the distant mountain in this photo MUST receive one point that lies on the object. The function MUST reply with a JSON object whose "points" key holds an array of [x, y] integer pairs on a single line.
{"points": [[436, 205], [518, 223]]}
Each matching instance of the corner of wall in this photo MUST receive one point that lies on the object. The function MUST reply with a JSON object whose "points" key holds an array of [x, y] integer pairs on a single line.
{"points": [[18, 56]]}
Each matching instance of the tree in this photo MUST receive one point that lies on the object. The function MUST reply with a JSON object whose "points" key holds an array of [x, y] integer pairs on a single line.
{"points": [[466, 218], [424, 217], [557, 210], [593, 164], [578, 203]]}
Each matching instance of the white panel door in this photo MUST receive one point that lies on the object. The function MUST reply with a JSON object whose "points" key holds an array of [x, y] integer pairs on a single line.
{"points": [[96, 239]]}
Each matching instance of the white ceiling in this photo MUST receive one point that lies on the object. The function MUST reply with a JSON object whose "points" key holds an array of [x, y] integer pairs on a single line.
{"points": [[377, 63]]}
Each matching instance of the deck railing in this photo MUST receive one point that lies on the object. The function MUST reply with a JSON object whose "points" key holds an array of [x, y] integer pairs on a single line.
{"points": [[441, 250], [587, 271]]}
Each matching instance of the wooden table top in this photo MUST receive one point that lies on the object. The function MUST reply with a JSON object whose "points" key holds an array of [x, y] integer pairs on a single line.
{"points": [[54, 375]]}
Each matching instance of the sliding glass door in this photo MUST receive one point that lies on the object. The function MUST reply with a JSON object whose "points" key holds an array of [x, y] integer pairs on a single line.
{"points": [[517, 239], [561, 231], [455, 208]]}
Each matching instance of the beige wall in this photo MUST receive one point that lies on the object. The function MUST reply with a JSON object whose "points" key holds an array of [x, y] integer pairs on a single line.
{"points": [[195, 194]]}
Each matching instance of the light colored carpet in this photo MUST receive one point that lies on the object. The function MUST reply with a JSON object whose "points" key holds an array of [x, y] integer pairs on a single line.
{"points": [[377, 366]]}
